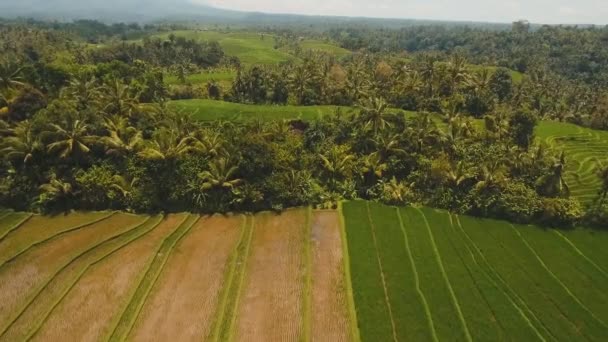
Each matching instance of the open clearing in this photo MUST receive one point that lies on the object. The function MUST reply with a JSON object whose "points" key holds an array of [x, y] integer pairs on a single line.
{"points": [[427, 275]]}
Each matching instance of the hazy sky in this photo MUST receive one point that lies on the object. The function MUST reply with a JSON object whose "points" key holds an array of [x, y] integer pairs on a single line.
{"points": [[538, 11]]}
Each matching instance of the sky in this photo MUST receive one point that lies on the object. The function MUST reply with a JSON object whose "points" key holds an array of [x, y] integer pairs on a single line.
{"points": [[537, 11]]}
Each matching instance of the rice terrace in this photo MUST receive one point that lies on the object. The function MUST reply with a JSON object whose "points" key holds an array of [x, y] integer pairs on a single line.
{"points": [[364, 272]]}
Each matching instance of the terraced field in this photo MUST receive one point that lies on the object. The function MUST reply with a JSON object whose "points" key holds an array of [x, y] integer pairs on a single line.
{"points": [[114, 276], [427, 275], [584, 148]]}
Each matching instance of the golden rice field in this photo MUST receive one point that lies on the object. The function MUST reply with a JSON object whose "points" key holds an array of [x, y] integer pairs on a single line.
{"points": [[181, 277]]}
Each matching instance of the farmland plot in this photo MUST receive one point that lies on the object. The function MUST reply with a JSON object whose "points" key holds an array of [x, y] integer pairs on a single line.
{"points": [[475, 279], [271, 304], [89, 308], [184, 299], [24, 276]]}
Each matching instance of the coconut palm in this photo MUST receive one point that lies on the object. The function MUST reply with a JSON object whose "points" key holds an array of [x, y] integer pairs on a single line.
{"points": [[22, 144], [168, 145], [338, 162], [10, 75], [221, 175], [56, 193], [84, 91], [373, 167], [493, 174], [373, 114], [457, 71], [71, 139], [123, 139], [118, 99]]}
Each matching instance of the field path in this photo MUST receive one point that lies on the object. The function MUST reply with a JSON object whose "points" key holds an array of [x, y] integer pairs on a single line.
{"points": [[22, 278], [329, 298], [87, 310], [38, 229], [183, 301], [270, 306]]}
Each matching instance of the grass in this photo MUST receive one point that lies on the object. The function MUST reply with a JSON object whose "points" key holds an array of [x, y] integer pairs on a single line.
{"points": [[209, 110], [204, 77], [317, 45], [372, 311], [412, 319], [352, 313], [30, 319], [131, 312], [250, 48], [474, 279]]}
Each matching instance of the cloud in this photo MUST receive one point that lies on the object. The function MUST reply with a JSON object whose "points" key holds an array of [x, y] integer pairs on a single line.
{"points": [[539, 11]]}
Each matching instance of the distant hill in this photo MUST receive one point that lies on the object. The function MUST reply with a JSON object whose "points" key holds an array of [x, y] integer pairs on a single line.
{"points": [[112, 10]]}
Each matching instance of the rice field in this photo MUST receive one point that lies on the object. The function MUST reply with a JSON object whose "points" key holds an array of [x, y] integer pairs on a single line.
{"points": [[584, 148], [427, 275], [115, 276]]}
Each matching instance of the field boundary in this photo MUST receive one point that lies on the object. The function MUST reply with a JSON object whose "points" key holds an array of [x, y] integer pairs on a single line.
{"points": [[239, 286], [16, 225], [427, 309], [33, 331], [554, 276], [307, 305], [578, 251], [445, 277], [144, 288], [58, 235], [352, 312], [386, 298], [220, 310]]}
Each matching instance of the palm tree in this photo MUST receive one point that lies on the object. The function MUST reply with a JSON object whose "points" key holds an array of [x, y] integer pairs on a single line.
{"points": [[124, 139], [457, 71], [84, 91], [71, 140], [455, 173], [338, 163], [10, 75], [56, 193], [388, 144], [299, 79], [118, 100], [373, 167], [493, 175], [373, 114], [428, 73], [168, 145], [23, 143], [221, 175]]}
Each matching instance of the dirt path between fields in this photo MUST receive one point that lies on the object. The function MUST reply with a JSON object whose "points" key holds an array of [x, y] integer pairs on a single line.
{"points": [[88, 310], [329, 301], [271, 301], [183, 301]]}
